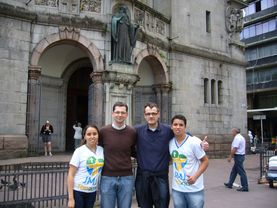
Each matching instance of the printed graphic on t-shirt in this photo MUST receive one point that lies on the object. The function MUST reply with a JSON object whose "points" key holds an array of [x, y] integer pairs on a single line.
{"points": [[94, 167], [179, 162]]}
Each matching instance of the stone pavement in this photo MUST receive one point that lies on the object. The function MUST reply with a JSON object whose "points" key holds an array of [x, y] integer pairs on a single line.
{"points": [[216, 195]]}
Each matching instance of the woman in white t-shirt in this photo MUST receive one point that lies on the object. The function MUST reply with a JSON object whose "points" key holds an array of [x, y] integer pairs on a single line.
{"points": [[77, 135], [85, 169]]}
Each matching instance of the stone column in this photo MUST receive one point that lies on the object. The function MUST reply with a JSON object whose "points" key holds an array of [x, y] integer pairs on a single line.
{"points": [[165, 103], [95, 102], [162, 97], [33, 108]]}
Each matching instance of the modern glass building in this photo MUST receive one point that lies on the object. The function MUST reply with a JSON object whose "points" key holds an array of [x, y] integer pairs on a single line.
{"points": [[260, 36]]}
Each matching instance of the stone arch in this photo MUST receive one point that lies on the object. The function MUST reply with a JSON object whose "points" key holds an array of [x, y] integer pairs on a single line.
{"points": [[65, 35], [153, 54]]}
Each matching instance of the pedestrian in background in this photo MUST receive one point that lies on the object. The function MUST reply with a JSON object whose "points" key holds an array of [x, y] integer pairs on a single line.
{"points": [[84, 170], [46, 132], [78, 134], [238, 153]]}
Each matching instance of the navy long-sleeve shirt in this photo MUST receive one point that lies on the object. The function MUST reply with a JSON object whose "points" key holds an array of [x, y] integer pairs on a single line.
{"points": [[152, 147]]}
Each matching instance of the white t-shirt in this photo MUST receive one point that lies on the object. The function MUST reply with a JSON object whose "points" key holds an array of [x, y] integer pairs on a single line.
{"points": [[78, 132], [186, 161], [89, 166], [239, 143]]}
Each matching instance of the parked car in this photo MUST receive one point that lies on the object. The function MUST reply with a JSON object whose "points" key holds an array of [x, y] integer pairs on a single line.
{"points": [[271, 173]]}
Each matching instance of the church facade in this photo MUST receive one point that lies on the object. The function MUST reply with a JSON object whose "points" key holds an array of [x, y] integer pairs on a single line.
{"points": [[57, 65]]}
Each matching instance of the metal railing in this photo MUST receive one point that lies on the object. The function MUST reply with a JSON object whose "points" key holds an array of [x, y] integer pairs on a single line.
{"points": [[265, 154], [34, 185]]}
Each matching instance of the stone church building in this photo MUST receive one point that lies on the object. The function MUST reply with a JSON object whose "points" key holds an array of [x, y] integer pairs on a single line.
{"points": [[56, 64]]}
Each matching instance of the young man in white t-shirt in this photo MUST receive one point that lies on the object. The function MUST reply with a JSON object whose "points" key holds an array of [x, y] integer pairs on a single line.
{"points": [[189, 163]]}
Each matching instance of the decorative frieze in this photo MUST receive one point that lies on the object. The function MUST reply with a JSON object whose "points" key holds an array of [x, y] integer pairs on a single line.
{"points": [[69, 6], [90, 6], [69, 32], [149, 22], [51, 3]]}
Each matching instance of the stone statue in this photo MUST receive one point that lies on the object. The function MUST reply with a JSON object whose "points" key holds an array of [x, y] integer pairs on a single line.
{"points": [[123, 37]]}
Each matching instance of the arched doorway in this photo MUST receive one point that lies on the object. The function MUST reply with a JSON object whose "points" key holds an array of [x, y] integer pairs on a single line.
{"points": [[77, 103], [152, 87]]}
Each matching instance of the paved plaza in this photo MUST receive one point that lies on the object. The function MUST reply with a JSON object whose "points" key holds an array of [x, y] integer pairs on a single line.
{"points": [[217, 196]]}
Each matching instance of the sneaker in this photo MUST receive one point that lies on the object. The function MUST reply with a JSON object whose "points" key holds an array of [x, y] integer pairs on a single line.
{"points": [[227, 185], [50, 154], [45, 154]]}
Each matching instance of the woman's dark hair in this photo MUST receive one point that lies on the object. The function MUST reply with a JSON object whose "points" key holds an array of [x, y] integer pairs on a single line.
{"points": [[85, 130]]}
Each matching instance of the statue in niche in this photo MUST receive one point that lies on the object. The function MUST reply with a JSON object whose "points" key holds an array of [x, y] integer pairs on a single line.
{"points": [[123, 36]]}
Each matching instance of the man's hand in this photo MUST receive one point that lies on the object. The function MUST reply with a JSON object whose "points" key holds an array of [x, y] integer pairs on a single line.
{"points": [[229, 158], [205, 144]]}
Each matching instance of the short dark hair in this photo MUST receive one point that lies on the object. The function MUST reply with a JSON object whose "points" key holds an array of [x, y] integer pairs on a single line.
{"points": [[237, 129], [151, 105], [180, 117], [120, 104]]}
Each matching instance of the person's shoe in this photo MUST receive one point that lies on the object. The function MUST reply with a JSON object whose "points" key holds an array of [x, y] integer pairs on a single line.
{"points": [[50, 154], [227, 185], [243, 189], [45, 154]]}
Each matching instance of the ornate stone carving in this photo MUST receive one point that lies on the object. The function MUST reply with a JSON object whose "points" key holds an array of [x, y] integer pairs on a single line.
{"points": [[120, 78], [90, 5], [150, 22], [69, 6], [52, 3], [234, 19], [139, 17], [160, 27], [34, 72], [69, 32]]}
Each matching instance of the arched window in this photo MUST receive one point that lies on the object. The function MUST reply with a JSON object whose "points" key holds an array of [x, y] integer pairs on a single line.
{"points": [[213, 92]]}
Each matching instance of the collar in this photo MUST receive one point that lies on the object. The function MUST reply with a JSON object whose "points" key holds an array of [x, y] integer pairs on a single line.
{"points": [[118, 128]]}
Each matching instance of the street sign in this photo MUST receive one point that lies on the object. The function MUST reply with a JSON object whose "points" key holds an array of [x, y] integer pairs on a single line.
{"points": [[259, 117]]}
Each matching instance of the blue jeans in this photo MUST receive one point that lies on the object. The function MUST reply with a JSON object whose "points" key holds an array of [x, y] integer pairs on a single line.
{"points": [[188, 199], [116, 190], [238, 169], [84, 200]]}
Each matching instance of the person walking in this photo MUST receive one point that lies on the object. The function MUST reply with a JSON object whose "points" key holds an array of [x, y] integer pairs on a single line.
{"points": [[238, 153], [77, 134], [118, 141], [46, 132], [189, 163], [152, 185], [84, 170]]}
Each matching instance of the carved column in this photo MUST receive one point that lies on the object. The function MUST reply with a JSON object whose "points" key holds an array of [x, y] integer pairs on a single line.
{"points": [[95, 100], [33, 107]]}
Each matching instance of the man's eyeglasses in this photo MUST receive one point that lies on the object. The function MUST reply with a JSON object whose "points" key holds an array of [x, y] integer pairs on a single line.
{"points": [[151, 114]]}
